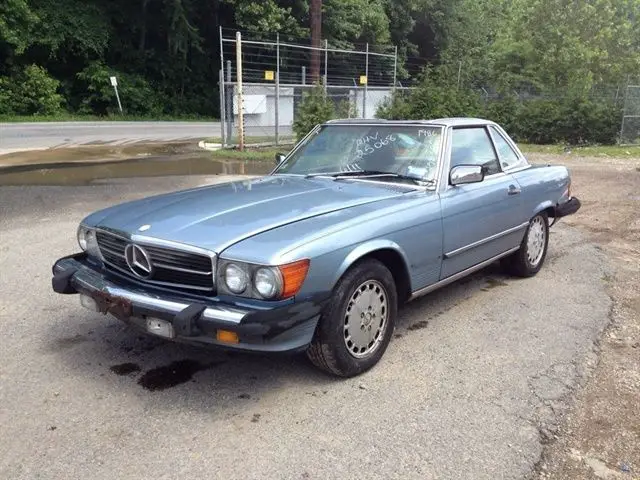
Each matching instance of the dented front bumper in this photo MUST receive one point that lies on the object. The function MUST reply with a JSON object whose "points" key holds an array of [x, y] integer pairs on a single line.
{"points": [[283, 328]]}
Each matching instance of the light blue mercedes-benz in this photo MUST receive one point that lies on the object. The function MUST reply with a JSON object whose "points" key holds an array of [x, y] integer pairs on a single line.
{"points": [[359, 218]]}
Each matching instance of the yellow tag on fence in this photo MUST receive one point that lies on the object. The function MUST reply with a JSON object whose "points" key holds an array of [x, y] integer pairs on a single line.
{"points": [[363, 79], [268, 75]]}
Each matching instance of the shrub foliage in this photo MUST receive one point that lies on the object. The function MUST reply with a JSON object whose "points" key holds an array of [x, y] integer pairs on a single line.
{"points": [[577, 119]]}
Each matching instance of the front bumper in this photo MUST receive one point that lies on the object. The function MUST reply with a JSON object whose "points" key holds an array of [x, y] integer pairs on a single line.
{"points": [[569, 207], [281, 329]]}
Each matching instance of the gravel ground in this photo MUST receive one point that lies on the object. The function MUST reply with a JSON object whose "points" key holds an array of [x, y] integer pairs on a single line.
{"points": [[600, 438], [478, 379]]}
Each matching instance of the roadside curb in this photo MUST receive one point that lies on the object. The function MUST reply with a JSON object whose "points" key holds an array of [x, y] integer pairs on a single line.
{"points": [[209, 146]]}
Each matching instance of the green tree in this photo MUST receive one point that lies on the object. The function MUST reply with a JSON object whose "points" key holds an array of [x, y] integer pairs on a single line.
{"points": [[16, 22], [267, 17], [348, 22], [30, 92], [137, 96]]}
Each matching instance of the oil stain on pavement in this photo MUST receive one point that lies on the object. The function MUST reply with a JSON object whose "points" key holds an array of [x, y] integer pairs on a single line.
{"points": [[176, 373], [125, 369]]}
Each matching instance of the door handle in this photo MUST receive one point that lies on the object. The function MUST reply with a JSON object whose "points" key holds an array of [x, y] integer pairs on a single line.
{"points": [[513, 190]]}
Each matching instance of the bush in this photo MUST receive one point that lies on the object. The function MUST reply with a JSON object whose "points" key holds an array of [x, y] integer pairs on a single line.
{"points": [[98, 97], [30, 92], [503, 111], [314, 108], [572, 119], [430, 100], [591, 121], [395, 107], [538, 121]]}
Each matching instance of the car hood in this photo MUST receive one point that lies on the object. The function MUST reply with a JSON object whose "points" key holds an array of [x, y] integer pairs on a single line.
{"points": [[217, 216]]}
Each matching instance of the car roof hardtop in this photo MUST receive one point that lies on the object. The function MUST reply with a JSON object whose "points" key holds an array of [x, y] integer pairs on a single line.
{"points": [[445, 122]]}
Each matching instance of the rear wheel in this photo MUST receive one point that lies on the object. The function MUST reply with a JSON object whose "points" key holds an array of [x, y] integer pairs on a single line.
{"points": [[528, 260], [356, 327]]}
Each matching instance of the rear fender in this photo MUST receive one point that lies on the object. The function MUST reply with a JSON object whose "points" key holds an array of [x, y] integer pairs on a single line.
{"points": [[543, 206]]}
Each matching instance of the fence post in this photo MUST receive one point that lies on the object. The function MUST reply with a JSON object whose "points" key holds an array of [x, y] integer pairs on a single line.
{"points": [[459, 72], [223, 115], [277, 89], [395, 69], [304, 75], [229, 105], [240, 98], [223, 108], [326, 57], [366, 84]]}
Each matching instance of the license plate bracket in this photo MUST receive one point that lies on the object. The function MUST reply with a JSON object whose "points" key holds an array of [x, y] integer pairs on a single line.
{"points": [[162, 328]]}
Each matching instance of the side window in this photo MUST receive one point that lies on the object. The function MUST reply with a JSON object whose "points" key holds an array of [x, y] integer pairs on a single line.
{"points": [[508, 158], [472, 146]]}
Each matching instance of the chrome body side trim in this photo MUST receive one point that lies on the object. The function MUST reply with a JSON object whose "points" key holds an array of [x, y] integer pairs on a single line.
{"points": [[485, 240], [459, 275]]}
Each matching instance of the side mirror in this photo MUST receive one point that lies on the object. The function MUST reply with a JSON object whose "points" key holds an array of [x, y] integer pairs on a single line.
{"points": [[279, 158], [463, 174]]}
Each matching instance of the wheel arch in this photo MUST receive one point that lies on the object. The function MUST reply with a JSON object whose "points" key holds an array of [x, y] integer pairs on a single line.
{"points": [[547, 206], [391, 255]]}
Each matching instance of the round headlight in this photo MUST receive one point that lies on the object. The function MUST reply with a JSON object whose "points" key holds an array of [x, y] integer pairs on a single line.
{"points": [[267, 282], [82, 237], [235, 278]]}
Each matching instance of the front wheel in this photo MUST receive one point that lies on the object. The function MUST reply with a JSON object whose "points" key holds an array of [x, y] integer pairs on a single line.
{"points": [[357, 325], [528, 260]]}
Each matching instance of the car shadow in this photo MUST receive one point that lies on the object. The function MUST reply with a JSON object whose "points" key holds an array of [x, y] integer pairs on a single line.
{"points": [[116, 356], [418, 314]]}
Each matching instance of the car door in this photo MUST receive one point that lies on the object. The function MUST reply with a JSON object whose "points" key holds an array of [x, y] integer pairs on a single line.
{"points": [[480, 220]]}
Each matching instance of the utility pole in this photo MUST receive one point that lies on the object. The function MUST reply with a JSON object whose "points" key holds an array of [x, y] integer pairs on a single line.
{"points": [[316, 38]]}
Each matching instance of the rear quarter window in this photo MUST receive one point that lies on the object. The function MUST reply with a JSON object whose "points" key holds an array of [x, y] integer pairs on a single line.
{"points": [[507, 155]]}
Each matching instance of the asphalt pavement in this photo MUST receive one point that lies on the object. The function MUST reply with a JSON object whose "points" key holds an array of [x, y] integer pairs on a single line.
{"points": [[25, 136], [472, 385]]}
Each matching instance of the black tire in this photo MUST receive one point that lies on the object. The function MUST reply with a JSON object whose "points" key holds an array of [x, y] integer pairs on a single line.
{"points": [[520, 263], [328, 349]]}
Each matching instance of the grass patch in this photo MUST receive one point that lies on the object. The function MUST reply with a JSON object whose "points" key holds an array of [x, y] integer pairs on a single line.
{"points": [[255, 139], [68, 117], [631, 151]]}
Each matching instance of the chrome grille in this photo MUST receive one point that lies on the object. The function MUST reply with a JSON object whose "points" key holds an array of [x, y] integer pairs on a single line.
{"points": [[171, 267]]}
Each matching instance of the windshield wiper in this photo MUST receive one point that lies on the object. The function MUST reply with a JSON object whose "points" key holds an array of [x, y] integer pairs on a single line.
{"points": [[371, 174]]}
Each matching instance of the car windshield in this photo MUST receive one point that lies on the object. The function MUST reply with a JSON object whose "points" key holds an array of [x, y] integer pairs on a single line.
{"points": [[372, 151]]}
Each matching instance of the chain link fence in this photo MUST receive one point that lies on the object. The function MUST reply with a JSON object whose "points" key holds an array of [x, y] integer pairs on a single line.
{"points": [[263, 83], [630, 130]]}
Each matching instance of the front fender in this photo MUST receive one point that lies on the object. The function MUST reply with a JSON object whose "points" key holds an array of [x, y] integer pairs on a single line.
{"points": [[366, 248]]}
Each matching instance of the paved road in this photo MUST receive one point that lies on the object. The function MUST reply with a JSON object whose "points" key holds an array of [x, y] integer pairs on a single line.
{"points": [[20, 136], [471, 386]]}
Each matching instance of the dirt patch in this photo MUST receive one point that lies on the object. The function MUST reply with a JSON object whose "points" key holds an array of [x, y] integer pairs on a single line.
{"points": [[83, 173], [600, 437]]}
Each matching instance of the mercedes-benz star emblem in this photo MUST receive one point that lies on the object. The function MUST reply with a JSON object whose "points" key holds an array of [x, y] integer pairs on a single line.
{"points": [[138, 261]]}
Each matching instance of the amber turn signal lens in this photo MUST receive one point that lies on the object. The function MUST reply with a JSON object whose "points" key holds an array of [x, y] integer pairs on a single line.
{"points": [[227, 337], [293, 275]]}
